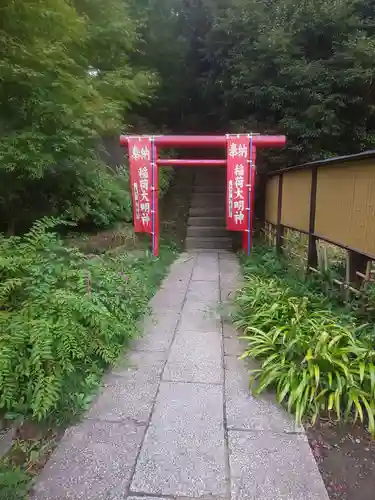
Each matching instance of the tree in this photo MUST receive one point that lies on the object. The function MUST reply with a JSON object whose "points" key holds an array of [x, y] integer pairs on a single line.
{"points": [[305, 70], [270, 66], [65, 82]]}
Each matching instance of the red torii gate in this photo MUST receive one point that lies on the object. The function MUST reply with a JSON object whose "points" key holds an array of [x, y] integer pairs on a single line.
{"points": [[241, 157]]}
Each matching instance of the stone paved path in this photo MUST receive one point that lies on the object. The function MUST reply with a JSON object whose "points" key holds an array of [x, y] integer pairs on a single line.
{"points": [[175, 420]]}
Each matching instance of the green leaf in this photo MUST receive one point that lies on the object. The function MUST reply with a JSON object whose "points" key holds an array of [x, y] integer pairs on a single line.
{"points": [[371, 369], [370, 414], [338, 404], [358, 406], [330, 401], [361, 371], [317, 374], [283, 392]]}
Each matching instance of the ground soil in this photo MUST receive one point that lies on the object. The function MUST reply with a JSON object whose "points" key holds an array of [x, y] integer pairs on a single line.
{"points": [[345, 455], [121, 237]]}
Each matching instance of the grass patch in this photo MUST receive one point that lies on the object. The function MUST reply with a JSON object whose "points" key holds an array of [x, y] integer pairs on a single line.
{"points": [[317, 356]]}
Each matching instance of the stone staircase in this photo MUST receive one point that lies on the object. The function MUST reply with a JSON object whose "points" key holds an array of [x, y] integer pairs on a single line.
{"points": [[206, 223]]}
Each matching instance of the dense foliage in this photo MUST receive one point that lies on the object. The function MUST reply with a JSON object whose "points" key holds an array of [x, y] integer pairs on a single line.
{"points": [[63, 319], [79, 71], [304, 69], [316, 358], [14, 483], [66, 81]]}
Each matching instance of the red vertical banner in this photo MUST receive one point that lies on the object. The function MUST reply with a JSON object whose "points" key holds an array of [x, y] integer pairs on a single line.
{"points": [[141, 179], [155, 205], [247, 237], [252, 193], [238, 154]]}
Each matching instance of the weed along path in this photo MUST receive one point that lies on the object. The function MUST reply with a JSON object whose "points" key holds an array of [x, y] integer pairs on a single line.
{"points": [[175, 418]]}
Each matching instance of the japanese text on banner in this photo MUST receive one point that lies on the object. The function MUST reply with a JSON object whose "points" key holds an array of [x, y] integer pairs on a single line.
{"points": [[141, 183], [238, 155]]}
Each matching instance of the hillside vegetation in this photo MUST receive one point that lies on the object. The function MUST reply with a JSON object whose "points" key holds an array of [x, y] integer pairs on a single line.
{"points": [[75, 73]]}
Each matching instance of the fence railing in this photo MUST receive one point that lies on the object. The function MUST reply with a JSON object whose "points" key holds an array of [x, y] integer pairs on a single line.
{"points": [[331, 201]]}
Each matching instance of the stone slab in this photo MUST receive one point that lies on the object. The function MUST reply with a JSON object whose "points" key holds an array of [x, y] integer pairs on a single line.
{"points": [[165, 321], [159, 330], [168, 298], [181, 271], [230, 260], [147, 498], [203, 291], [228, 292], [172, 285], [229, 332], [195, 357], [121, 399], [229, 269], [178, 278], [228, 257], [230, 277], [243, 411], [206, 268], [94, 461], [229, 286], [183, 453], [205, 273], [184, 257], [230, 281], [267, 466], [208, 257], [141, 365], [227, 303], [184, 263], [233, 346], [197, 316]]}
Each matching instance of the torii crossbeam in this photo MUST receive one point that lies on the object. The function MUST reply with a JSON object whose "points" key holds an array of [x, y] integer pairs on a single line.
{"points": [[241, 169]]}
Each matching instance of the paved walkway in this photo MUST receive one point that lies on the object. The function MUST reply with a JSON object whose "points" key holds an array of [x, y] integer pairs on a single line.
{"points": [[175, 419]]}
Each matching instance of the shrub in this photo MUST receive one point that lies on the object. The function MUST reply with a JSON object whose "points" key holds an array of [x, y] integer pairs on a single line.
{"points": [[85, 191], [317, 360], [14, 483], [65, 84], [63, 319]]}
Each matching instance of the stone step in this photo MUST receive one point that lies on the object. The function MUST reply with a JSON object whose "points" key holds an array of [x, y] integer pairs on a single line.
{"points": [[207, 221], [207, 200], [215, 211], [200, 181], [206, 224], [209, 182], [207, 231], [208, 196], [211, 174], [209, 189], [209, 178], [214, 243]]}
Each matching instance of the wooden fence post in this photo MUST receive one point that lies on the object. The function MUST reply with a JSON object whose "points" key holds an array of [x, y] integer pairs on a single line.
{"points": [[312, 254], [279, 227], [357, 263]]}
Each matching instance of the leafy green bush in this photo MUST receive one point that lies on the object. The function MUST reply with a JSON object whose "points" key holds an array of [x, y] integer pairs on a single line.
{"points": [[86, 191], [63, 319], [65, 84], [14, 484], [316, 360]]}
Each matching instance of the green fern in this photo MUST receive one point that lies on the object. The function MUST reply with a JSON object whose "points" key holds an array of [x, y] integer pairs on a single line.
{"points": [[55, 333]]}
